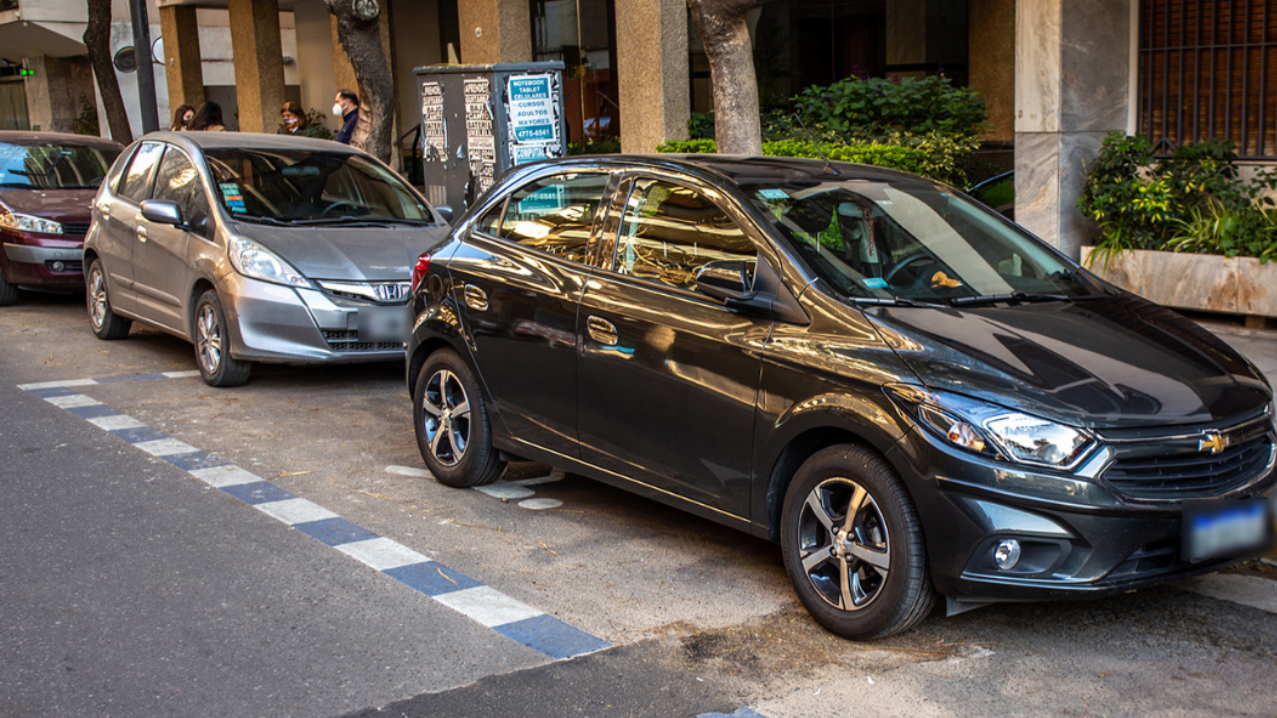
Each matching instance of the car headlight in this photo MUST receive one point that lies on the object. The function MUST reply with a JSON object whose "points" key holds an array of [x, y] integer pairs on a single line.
{"points": [[253, 260], [27, 223], [994, 431]]}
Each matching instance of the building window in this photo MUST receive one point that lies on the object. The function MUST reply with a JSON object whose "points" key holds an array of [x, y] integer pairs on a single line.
{"points": [[581, 35], [1208, 68]]}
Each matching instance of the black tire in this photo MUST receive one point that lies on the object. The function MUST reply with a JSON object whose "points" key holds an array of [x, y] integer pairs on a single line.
{"points": [[212, 344], [8, 293], [885, 530], [456, 445], [104, 322]]}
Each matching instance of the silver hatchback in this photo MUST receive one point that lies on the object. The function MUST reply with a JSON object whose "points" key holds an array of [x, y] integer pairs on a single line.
{"points": [[256, 248]]}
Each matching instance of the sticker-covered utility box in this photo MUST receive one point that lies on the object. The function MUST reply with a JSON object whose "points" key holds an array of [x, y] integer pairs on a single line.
{"points": [[477, 121]]}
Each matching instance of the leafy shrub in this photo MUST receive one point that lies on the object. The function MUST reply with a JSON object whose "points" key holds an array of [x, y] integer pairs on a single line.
{"points": [[700, 126], [923, 160], [605, 146], [862, 106]]}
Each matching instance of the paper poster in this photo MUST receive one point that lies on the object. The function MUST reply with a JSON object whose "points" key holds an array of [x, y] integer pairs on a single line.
{"points": [[532, 105], [480, 143], [434, 130]]}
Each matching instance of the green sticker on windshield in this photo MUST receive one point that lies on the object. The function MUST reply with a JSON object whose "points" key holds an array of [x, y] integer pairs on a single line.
{"points": [[772, 193]]}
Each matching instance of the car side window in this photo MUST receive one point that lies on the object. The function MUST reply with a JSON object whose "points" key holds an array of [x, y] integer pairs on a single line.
{"points": [[555, 214], [491, 222], [670, 231], [179, 181], [137, 179]]}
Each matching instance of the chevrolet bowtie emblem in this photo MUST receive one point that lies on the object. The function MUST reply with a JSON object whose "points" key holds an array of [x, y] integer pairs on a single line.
{"points": [[1214, 443]]}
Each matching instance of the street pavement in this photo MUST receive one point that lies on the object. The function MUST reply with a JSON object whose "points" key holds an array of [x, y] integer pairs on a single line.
{"points": [[277, 550]]}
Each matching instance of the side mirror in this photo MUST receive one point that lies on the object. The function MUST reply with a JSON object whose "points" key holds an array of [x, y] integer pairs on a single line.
{"points": [[723, 279], [162, 211], [444, 211]]}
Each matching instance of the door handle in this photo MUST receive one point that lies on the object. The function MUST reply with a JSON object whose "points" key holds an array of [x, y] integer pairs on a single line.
{"points": [[141, 234], [475, 298], [601, 330]]}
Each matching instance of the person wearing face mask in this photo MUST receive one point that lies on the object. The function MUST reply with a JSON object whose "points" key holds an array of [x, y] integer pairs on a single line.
{"points": [[346, 106], [293, 122], [182, 118]]}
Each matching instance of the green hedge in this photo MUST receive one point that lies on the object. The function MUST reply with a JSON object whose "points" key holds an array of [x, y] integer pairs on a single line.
{"points": [[940, 158]]}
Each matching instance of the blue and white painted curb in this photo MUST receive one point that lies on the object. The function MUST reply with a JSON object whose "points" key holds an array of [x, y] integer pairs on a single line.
{"points": [[503, 614]]}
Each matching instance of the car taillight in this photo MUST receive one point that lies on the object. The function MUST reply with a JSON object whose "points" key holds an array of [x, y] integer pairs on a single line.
{"points": [[419, 271]]}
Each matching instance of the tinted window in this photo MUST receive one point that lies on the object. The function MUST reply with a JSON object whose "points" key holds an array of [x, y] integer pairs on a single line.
{"points": [[555, 214], [50, 165], [179, 181], [136, 185], [491, 222], [670, 231]]}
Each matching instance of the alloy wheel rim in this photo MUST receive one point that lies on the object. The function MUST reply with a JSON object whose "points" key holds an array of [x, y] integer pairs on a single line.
{"points": [[446, 417], [208, 339], [97, 297], [843, 544]]}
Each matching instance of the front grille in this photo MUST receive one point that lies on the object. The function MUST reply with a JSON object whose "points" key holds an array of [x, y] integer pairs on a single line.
{"points": [[348, 341], [1186, 472], [77, 228]]}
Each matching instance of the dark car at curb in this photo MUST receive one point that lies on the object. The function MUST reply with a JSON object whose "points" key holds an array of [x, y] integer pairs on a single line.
{"points": [[913, 396], [47, 184]]}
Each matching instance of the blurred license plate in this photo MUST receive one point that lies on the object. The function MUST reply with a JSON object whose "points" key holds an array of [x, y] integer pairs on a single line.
{"points": [[1226, 529], [383, 324]]}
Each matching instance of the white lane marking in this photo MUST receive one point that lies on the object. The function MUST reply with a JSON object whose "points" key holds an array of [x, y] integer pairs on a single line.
{"points": [[58, 384], [540, 504], [382, 553], [409, 471], [295, 511], [115, 422], [72, 400], [505, 490], [165, 447], [181, 374], [1253, 591], [487, 606], [222, 476]]}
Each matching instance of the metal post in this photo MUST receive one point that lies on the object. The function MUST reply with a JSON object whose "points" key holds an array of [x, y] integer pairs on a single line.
{"points": [[145, 71]]}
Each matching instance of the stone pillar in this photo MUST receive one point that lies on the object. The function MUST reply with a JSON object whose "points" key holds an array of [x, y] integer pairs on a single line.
{"points": [[991, 65], [1071, 88], [651, 72], [343, 71], [259, 67], [54, 92], [315, 51], [183, 69], [495, 31]]}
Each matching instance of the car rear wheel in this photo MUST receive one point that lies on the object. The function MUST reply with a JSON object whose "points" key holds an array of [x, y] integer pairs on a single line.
{"points": [[106, 324], [212, 345], [451, 421], [853, 545]]}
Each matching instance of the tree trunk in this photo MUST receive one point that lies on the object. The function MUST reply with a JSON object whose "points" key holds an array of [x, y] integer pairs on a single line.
{"points": [[97, 37], [722, 26], [359, 30]]}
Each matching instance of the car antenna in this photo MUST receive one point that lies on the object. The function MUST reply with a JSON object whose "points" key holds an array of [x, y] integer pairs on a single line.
{"points": [[828, 167]]}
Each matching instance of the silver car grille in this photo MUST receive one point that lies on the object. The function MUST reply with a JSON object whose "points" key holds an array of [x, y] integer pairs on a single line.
{"points": [[379, 292]]}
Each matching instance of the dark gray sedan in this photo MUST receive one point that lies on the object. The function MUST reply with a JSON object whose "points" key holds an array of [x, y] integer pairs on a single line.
{"points": [[256, 248]]}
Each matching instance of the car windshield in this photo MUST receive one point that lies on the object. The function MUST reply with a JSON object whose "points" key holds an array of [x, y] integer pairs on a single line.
{"points": [[54, 165], [911, 239], [304, 186]]}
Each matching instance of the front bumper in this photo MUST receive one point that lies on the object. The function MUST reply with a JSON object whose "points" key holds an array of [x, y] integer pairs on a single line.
{"points": [[274, 323], [41, 260], [1079, 538]]}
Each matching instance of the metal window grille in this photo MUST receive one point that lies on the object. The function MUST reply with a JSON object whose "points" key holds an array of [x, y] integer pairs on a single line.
{"points": [[1208, 68]]}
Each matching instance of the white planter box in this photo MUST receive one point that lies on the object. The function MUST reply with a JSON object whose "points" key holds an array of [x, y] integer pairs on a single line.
{"points": [[1203, 282]]}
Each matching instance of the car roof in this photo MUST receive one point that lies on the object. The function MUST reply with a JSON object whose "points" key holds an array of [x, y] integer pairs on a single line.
{"points": [[249, 140], [23, 137], [747, 169]]}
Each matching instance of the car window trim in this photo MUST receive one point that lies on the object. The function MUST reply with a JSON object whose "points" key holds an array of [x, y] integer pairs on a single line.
{"points": [[150, 187]]}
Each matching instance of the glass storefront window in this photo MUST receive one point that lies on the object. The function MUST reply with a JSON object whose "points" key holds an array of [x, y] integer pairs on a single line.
{"points": [[581, 34]]}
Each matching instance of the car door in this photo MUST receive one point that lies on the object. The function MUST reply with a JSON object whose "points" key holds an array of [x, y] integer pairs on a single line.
{"points": [[518, 281], [120, 213], [668, 377], [162, 274]]}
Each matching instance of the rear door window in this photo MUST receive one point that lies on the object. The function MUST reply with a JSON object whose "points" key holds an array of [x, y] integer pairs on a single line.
{"points": [[179, 181], [136, 185], [555, 214]]}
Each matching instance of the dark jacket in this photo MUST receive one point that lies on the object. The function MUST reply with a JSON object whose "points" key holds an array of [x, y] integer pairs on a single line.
{"points": [[307, 131], [347, 126]]}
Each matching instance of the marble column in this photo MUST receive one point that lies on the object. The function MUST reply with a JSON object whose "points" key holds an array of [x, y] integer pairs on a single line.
{"points": [[1072, 87], [183, 63], [651, 72], [495, 31], [259, 69]]}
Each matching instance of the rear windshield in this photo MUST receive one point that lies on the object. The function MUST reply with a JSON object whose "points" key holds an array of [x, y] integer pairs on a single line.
{"points": [[54, 165], [292, 185], [912, 239]]}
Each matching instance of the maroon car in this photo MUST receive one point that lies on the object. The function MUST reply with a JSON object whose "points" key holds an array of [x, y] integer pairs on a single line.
{"points": [[47, 184]]}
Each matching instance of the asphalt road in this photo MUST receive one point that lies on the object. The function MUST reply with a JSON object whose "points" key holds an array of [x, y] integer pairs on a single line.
{"points": [[131, 586]]}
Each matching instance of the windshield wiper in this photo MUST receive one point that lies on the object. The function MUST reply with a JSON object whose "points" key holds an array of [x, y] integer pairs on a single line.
{"points": [[1024, 297], [895, 302], [348, 219], [255, 219]]}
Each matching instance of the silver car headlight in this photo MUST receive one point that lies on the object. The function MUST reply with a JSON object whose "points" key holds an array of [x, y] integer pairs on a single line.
{"points": [[27, 223], [994, 431], [253, 260]]}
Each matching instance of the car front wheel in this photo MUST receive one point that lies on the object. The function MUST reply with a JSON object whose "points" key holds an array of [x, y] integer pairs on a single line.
{"points": [[853, 545], [106, 324], [451, 422], [212, 345]]}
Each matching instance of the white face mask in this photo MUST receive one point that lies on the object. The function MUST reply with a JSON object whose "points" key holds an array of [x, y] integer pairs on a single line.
{"points": [[337, 110]]}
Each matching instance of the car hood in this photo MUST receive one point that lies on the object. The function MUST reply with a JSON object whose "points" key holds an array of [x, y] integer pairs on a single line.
{"points": [[348, 253], [60, 205], [1120, 361]]}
